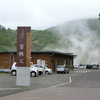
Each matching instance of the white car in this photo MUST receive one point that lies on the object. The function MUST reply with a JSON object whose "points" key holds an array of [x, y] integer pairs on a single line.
{"points": [[33, 71], [48, 70], [62, 68], [76, 66], [82, 66], [43, 69], [40, 68]]}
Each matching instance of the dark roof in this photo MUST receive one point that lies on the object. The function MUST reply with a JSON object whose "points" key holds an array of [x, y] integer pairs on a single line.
{"points": [[52, 52]]}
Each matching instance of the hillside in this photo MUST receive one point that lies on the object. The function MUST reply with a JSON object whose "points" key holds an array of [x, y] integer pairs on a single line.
{"points": [[77, 26], [39, 39], [80, 37], [7, 39]]}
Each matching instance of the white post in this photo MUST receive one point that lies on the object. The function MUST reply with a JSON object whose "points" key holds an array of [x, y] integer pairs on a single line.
{"points": [[23, 76]]}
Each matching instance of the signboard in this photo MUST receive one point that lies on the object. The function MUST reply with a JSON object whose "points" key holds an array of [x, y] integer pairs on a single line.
{"points": [[23, 46]]}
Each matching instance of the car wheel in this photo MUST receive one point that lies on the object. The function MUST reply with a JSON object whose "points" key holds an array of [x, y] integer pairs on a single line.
{"points": [[46, 72], [65, 72], [49, 73], [13, 73], [33, 74], [40, 73], [57, 72]]}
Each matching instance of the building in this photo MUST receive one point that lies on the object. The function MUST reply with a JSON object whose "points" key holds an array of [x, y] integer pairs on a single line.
{"points": [[51, 58]]}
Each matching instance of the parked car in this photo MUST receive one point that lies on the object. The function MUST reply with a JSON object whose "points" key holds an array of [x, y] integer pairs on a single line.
{"points": [[88, 66], [76, 66], [33, 71], [48, 70], [82, 66], [43, 69], [40, 68], [94, 66], [62, 69], [99, 66]]}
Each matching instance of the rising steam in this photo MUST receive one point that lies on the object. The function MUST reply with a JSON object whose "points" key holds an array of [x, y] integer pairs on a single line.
{"points": [[77, 38]]}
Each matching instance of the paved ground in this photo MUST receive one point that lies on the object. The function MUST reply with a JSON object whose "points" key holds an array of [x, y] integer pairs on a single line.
{"points": [[84, 86], [57, 93], [8, 83]]}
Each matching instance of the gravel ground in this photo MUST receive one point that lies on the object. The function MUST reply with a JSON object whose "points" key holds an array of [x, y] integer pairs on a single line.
{"points": [[8, 83]]}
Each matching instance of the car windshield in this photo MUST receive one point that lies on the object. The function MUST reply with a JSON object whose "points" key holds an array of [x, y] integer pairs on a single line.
{"points": [[61, 66], [45, 67], [36, 65]]}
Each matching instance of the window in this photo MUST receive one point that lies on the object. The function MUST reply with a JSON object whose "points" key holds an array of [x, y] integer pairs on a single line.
{"points": [[71, 62], [60, 62]]}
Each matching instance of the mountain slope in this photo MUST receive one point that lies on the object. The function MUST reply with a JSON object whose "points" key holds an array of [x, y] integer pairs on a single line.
{"points": [[81, 37]]}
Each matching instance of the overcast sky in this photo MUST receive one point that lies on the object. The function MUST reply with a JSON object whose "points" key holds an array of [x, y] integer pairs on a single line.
{"points": [[42, 14]]}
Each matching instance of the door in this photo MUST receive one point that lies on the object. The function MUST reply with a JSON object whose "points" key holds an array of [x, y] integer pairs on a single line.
{"points": [[53, 65], [11, 59]]}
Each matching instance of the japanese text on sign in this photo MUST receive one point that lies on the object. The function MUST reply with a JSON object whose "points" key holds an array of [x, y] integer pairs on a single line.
{"points": [[23, 46]]}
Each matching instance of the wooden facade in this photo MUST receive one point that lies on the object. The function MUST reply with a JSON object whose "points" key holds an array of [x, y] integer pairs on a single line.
{"points": [[52, 58]]}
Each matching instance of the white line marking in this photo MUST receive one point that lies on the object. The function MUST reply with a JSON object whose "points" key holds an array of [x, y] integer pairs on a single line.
{"points": [[70, 80], [82, 71]]}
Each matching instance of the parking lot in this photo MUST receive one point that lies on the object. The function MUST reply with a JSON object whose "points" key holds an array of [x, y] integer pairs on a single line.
{"points": [[60, 86], [8, 82]]}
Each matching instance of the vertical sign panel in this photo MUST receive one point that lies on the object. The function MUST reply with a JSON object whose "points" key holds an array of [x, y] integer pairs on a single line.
{"points": [[23, 46]]}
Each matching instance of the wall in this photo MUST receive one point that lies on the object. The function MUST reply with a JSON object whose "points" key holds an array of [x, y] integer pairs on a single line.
{"points": [[4, 61], [43, 56], [52, 60]]}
